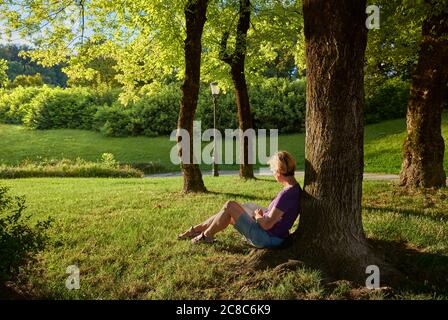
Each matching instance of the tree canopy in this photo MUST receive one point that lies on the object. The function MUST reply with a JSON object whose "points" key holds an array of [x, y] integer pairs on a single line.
{"points": [[138, 44]]}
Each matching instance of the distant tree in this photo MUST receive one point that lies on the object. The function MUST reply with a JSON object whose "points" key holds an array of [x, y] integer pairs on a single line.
{"points": [[20, 65], [27, 81], [236, 60], [424, 148]]}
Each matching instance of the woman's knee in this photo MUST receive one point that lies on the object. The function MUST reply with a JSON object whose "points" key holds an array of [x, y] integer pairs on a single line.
{"points": [[230, 204], [234, 209]]}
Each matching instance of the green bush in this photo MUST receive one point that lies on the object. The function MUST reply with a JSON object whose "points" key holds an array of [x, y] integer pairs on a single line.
{"points": [[114, 120], [279, 104], [19, 240], [48, 108], [388, 102], [275, 104], [150, 116], [157, 114], [148, 167], [15, 104], [23, 80], [107, 167], [62, 108]]}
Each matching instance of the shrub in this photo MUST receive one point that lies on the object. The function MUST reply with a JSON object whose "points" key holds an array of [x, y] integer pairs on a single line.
{"points": [[151, 115], [47, 108], [27, 81], [62, 108], [148, 167], [106, 96], [157, 114], [107, 167], [15, 104], [114, 120], [388, 102], [19, 240], [275, 104], [279, 104]]}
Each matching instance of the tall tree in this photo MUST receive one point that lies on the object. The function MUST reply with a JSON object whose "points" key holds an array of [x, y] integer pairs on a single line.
{"points": [[424, 148], [236, 60], [195, 17], [330, 226]]}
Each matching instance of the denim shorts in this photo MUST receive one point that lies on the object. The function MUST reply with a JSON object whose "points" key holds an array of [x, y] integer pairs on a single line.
{"points": [[254, 233]]}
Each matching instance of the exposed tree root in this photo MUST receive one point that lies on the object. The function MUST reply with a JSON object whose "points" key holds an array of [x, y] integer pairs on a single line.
{"points": [[348, 264]]}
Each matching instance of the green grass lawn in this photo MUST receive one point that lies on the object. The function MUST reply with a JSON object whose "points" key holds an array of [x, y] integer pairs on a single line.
{"points": [[383, 143], [121, 233]]}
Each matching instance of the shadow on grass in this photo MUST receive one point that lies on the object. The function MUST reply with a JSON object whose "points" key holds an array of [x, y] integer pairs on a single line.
{"points": [[234, 247], [232, 195], [435, 216], [10, 291], [423, 272]]}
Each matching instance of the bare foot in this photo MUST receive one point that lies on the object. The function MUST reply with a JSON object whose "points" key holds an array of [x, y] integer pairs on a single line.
{"points": [[189, 234]]}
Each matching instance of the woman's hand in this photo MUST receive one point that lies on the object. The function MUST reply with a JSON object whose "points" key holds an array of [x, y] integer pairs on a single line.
{"points": [[268, 221], [258, 214]]}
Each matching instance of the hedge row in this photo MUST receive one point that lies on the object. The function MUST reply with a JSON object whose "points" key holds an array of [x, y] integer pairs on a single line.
{"points": [[275, 103], [388, 102], [108, 167]]}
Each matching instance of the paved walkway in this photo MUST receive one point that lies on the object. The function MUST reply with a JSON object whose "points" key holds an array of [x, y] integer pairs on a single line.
{"points": [[267, 172]]}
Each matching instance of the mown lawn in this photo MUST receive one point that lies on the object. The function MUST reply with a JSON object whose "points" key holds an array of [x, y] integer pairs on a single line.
{"points": [[383, 143], [121, 233]]}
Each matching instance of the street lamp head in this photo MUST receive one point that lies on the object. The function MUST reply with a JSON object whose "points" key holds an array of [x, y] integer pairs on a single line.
{"points": [[215, 89]]}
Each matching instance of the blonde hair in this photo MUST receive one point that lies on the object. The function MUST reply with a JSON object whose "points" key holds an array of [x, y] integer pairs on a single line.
{"points": [[282, 162]]}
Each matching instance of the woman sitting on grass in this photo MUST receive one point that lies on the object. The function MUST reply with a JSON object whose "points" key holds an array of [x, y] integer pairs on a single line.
{"points": [[263, 228]]}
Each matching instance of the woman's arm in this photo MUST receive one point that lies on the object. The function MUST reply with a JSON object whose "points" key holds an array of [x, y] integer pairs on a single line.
{"points": [[270, 220]]}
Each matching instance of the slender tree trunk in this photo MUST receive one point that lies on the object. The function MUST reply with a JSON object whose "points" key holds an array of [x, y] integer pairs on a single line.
{"points": [[236, 60], [424, 148], [195, 15], [244, 117], [330, 228]]}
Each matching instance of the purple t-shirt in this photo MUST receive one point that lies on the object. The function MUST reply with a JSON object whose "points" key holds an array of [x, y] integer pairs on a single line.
{"points": [[288, 201]]}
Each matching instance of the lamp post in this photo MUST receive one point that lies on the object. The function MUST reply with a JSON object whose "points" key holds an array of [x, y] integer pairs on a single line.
{"points": [[215, 92]]}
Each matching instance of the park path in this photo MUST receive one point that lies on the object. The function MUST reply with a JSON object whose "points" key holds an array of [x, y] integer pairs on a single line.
{"points": [[266, 172]]}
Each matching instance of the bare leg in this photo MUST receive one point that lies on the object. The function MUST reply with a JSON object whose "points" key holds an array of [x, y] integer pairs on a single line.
{"points": [[230, 212], [204, 225]]}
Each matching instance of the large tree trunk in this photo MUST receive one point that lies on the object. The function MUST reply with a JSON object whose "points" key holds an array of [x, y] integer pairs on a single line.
{"points": [[330, 228], [236, 60], [424, 148], [195, 15], [330, 234]]}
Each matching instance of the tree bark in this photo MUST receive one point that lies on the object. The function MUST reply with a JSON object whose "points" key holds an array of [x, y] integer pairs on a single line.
{"points": [[330, 229], [195, 16], [424, 148], [236, 60]]}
